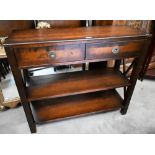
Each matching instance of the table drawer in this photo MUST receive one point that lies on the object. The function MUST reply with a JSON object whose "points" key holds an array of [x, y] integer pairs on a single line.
{"points": [[29, 57], [114, 50]]}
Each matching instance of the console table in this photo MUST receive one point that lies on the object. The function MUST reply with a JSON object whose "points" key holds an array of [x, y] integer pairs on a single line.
{"points": [[54, 97]]}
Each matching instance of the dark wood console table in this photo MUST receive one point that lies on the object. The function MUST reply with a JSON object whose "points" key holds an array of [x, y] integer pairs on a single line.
{"points": [[54, 97]]}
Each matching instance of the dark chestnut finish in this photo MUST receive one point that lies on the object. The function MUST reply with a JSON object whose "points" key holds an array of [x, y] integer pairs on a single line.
{"points": [[51, 86], [103, 22], [21, 89], [72, 34], [71, 94], [114, 50], [49, 55], [60, 108]]}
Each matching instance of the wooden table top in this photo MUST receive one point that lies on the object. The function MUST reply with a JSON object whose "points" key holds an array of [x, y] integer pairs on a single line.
{"points": [[68, 34]]}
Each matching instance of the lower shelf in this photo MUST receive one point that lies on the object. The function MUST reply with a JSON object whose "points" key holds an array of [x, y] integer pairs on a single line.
{"points": [[65, 107]]}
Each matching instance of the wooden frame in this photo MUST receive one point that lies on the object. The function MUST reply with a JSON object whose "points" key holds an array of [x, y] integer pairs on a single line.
{"points": [[100, 47]]}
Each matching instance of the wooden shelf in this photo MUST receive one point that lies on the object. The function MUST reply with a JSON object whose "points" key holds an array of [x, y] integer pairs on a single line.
{"points": [[76, 105], [60, 85]]}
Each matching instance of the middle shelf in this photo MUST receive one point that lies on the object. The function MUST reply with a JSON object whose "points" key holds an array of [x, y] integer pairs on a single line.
{"points": [[73, 83]]}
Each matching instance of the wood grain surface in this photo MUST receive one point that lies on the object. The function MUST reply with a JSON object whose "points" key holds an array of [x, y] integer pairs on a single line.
{"points": [[60, 108]]}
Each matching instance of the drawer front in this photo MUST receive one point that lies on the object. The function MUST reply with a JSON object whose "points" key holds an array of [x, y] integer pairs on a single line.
{"points": [[29, 57], [114, 50]]}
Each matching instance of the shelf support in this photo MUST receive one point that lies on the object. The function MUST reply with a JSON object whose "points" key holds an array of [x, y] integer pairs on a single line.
{"points": [[117, 64], [129, 68], [21, 89], [124, 68], [133, 79]]}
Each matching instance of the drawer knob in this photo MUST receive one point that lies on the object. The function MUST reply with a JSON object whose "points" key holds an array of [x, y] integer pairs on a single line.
{"points": [[52, 54], [115, 50]]}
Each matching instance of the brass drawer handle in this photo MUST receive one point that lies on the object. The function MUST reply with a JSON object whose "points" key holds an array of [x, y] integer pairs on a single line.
{"points": [[115, 50], [52, 54]]}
